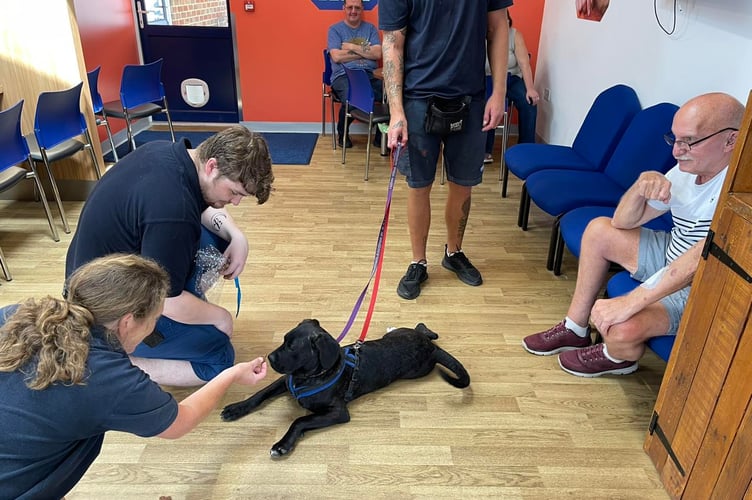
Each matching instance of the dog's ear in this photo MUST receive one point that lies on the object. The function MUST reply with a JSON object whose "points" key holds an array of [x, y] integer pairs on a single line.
{"points": [[310, 323], [327, 348]]}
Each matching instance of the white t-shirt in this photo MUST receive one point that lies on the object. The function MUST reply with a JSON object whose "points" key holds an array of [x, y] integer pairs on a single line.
{"points": [[692, 207]]}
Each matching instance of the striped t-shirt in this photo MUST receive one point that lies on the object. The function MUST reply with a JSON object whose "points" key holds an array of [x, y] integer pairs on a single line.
{"points": [[692, 207]]}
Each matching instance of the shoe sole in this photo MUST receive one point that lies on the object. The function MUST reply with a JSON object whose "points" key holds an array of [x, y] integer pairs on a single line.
{"points": [[549, 353], [407, 296], [618, 371], [465, 281]]}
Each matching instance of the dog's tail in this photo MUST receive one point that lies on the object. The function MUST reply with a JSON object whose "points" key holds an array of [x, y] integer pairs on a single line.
{"points": [[461, 378]]}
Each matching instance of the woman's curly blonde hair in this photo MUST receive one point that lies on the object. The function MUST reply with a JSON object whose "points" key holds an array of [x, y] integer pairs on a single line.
{"points": [[48, 338]]}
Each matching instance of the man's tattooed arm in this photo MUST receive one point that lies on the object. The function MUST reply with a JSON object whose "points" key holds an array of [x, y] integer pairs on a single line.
{"points": [[218, 220]]}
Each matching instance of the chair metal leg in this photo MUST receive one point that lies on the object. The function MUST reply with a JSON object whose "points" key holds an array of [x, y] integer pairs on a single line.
{"points": [[43, 198], [112, 142], [334, 139], [4, 267], [368, 145], [505, 179], [347, 129], [559, 251], [552, 243], [324, 95], [504, 135], [90, 147], [526, 213], [129, 131], [524, 209], [55, 191], [503, 169], [169, 120]]}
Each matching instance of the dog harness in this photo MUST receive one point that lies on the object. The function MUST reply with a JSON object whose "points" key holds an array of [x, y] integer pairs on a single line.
{"points": [[348, 359]]}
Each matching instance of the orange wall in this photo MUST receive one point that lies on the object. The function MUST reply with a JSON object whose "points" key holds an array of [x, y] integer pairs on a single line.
{"points": [[279, 51], [280, 54], [108, 39]]}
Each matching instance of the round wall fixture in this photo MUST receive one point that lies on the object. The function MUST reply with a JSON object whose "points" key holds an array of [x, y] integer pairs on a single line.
{"points": [[195, 92]]}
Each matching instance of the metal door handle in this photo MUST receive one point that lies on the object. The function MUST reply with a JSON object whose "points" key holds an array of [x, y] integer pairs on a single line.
{"points": [[140, 11]]}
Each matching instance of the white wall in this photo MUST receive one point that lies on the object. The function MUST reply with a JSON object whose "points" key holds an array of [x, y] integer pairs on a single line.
{"points": [[710, 50]]}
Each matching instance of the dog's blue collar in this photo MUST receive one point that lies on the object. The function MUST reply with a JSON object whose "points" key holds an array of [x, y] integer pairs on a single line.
{"points": [[349, 359]]}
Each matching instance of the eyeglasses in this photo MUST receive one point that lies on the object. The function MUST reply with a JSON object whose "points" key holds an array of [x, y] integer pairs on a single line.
{"points": [[671, 140]]}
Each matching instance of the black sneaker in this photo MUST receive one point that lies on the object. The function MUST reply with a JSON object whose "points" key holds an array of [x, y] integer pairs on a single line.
{"points": [[348, 142], [459, 264], [409, 285]]}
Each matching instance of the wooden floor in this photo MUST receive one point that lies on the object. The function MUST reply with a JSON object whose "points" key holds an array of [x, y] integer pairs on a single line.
{"points": [[523, 429]]}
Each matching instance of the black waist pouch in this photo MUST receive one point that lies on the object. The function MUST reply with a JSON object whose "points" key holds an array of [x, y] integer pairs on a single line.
{"points": [[447, 116]]}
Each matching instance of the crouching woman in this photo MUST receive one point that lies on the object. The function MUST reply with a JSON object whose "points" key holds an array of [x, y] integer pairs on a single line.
{"points": [[66, 379]]}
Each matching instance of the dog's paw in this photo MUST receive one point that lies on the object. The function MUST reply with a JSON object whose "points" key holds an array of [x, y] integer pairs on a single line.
{"points": [[280, 449], [234, 411]]}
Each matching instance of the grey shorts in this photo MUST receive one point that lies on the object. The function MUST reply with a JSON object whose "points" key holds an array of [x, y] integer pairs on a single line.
{"points": [[651, 258], [463, 151]]}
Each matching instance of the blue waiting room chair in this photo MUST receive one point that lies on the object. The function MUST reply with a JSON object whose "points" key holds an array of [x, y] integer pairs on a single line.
{"points": [[328, 93], [98, 107], [59, 126], [361, 106], [641, 148], [14, 151], [605, 122], [142, 95]]}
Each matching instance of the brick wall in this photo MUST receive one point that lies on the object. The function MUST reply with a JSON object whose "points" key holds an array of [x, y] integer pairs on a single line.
{"points": [[198, 13]]}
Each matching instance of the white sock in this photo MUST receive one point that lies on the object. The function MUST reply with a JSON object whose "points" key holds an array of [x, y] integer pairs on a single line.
{"points": [[611, 358], [581, 331], [422, 262]]}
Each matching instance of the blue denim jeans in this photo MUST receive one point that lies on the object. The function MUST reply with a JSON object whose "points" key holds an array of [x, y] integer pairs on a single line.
{"points": [[463, 151], [526, 113], [207, 348]]}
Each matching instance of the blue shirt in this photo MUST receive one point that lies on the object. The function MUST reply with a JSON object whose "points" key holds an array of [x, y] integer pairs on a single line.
{"points": [[51, 436], [445, 44], [341, 33]]}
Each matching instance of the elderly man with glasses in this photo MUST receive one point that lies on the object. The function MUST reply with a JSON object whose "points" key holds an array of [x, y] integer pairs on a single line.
{"points": [[703, 135]]}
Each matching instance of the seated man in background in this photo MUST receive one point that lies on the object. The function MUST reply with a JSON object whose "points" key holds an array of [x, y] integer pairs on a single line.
{"points": [[356, 44], [703, 135], [164, 201]]}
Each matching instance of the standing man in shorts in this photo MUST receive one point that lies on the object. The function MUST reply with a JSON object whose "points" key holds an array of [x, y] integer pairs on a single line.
{"points": [[436, 52], [703, 135]]}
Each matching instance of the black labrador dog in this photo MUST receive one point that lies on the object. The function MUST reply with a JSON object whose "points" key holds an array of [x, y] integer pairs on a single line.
{"points": [[324, 377]]}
